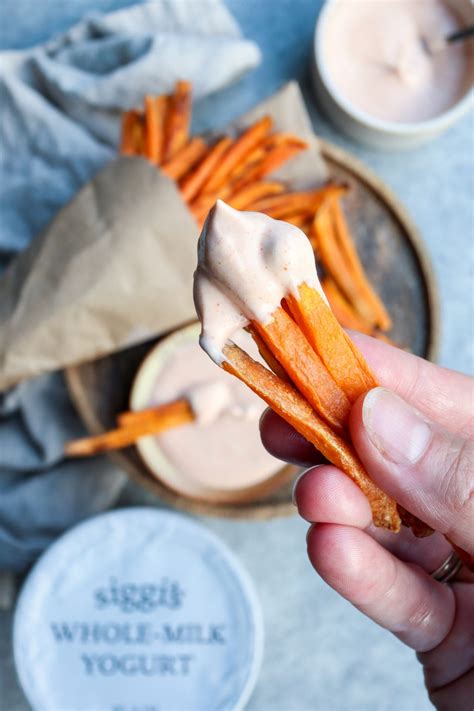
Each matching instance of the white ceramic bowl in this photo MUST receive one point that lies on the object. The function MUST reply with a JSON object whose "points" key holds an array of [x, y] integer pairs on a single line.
{"points": [[368, 129]]}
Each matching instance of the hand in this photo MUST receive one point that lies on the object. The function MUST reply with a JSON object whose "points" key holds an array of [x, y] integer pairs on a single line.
{"points": [[422, 457]]}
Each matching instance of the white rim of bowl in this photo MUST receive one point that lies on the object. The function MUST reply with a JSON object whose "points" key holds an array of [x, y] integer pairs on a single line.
{"points": [[431, 125]]}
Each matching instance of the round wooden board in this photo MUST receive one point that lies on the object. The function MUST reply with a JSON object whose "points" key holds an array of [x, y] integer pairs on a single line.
{"points": [[396, 261]]}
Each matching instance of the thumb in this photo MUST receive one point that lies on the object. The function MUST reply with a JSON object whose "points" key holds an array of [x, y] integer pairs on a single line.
{"points": [[425, 468]]}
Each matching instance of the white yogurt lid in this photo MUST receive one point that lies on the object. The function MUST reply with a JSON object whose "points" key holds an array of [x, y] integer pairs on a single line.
{"points": [[138, 610]]}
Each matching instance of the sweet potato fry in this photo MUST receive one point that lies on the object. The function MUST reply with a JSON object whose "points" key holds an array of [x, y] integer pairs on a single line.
{"points": [[155, 120], [287, 402], [157, 420], [349, 252], [275, 156], [243, 198], [255, 165], [192, 183], [178, 120], [335, 264], [284, 138], [342, 309], [266, 353], [299, 219], [347, 316], [139, 134], [273, 160], [304, 367], [160, 413], [329, 341], [133, 135], [185, 159], [241, 148], [420, 529], [307, 201], [246, 164], [127, 141]]}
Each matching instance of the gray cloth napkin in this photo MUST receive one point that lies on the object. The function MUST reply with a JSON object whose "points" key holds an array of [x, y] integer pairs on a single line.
{"points": [[59, 125]]}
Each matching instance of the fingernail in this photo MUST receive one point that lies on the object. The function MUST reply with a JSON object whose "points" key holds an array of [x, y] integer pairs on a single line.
{"points": [[262, 417], [296, 482], [308, 532], [396, 429], [298, 479]]}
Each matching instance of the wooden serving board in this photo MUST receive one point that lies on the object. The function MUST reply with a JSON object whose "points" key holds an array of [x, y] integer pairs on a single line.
{"points": [[395, 258]]}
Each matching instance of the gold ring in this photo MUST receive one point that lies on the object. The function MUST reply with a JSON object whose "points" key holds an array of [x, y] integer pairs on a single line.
{"points": [[447, 570]]}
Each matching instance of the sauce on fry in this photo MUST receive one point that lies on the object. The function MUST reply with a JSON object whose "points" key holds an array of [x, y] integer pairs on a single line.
{"points": [[247, 263]]}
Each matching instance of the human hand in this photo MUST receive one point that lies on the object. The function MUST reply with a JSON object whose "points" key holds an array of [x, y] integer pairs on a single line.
{"points": [[424, 459]]}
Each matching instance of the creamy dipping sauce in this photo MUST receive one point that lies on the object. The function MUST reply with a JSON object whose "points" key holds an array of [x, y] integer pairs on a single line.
{"points": [[375, 54], [222, 448], [247, 263]]}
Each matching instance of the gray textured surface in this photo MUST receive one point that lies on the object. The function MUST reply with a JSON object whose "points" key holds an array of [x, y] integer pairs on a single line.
{"points": [[320, 654]]}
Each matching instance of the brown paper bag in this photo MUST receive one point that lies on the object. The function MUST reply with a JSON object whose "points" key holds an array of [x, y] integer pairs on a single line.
{"points": [[115, 266]]}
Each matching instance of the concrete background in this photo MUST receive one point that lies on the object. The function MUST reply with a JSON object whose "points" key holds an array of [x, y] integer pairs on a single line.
{"points": [[320, 653]]}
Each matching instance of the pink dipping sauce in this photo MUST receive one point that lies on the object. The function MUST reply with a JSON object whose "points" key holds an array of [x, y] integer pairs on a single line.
{"points": [[375, 54], [222, 449]]}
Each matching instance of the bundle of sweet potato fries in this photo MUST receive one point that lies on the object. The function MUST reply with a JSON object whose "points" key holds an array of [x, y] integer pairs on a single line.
{"points": [[314, 377], [237, 170]]}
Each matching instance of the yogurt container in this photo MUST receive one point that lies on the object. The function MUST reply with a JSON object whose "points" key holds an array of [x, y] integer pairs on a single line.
{"points": [[138, 610]]}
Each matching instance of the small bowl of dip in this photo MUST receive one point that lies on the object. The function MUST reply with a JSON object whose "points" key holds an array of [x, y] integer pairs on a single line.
{"points": [[376, 77], [219, 457]]}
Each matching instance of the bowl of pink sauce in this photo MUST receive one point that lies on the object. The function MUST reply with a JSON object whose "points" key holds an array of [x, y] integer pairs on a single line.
{"points": [[219, 457], [381, 72]]}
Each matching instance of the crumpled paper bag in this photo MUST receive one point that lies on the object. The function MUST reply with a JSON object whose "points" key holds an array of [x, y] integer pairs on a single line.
{"points": [[112, 269], [115, 266]]}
